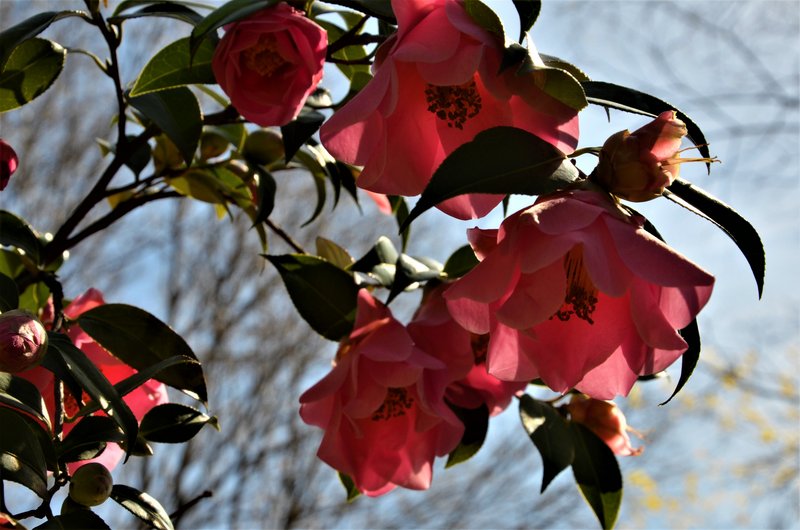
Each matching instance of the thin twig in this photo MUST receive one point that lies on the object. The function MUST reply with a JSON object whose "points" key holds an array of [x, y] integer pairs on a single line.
{"points": [[286, 237]]}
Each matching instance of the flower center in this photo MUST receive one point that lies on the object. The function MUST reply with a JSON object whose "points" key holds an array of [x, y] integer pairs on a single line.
{"points": [[581, 296], [454, 104], [396, 403], [480, 345], [264, 57]]}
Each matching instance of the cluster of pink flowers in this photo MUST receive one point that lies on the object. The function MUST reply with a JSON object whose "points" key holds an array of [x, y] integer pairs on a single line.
{"points": [[571, 290], [140, 400]]}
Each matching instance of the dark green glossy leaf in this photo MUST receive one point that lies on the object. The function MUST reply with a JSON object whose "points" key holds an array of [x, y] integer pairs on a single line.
{"points": [[14, 232], [155, 4], [520, 162], [691, 334], [142, 506], [334, 253], [737, 227], [226, 14], [476, 423], [135, 161], [21, 457], [9, 295], [12, 37], [528, 11], [485, 18], [400, 210], [597, 475], [23, 396], [177, 113], [297, 132], [173, 66], [30, 70], [324, 295], [344, 176], [88, 438], [550, 433], [77, 520], [141, 340], [162, 9], [627, 99], [349, 487], [460, 262], [561, 64], [266, 195], [556, 82], [95, 384], [174, 423]]}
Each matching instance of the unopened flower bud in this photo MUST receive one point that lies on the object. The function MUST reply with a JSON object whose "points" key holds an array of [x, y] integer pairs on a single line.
{"points": [[91, 484], [8, 163], [212, 145], [638, 166], [604, 419], [23, 341], [263, 146]]}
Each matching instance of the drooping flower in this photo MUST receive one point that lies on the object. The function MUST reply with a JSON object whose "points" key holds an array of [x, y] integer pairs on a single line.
{"points": [[436, 333], [269, 63], [23, 341], [435, 86], [574, 291], [8, 163], [639, 166], [606, 420], [140, 400], [381, 407]]}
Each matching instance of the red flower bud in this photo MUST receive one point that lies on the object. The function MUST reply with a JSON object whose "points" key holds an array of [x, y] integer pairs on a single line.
{"points": [[604, 419], [23, 341], [8, 163]]}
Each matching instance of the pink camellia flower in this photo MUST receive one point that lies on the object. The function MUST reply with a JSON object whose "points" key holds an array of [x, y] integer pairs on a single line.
{"points": [[574, 291], [8, 163], [381, 406], [140, 400], [23, 341], [436, 333], [436, 86], [606, 420], [269, 63], [638, 166]]}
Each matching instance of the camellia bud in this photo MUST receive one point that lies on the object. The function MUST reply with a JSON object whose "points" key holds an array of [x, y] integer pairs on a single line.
{"points": [[604, 419], [23, 341], [638, 166], [91, 484], [212, 145], [263, 146], [8, 163]]}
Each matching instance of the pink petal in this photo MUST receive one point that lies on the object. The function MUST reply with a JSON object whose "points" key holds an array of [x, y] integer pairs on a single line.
{"points": [[506, 359], [535, 298]]}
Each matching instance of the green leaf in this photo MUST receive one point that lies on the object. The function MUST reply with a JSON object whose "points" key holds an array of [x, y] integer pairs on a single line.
{"points": [[155, 4], [95, 384], [629, 100], [357, 74], [266, 195], [173, 66], [324, 295], [350, 487], [15, 232], [556, 82], [12, 37], [520, 162], [550, 433], [88, 438], [9, 294], [177, 113], [726, 218], [400, 210], [297, 132], [23, 396], [485, 18], [141, 340], [597, 475], [476, 423], [174, 423], [21, 457], [528, 11], [226, 14], [561, 64], [80, 519], [142, 506], [335, 254], [460, 262], [29, 71], [162, 9]]}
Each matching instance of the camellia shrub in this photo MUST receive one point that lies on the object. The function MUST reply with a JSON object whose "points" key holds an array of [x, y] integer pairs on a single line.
{"points": [[576, 292]]}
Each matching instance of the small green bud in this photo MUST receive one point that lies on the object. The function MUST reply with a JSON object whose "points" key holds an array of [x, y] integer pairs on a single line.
{"points": [[263, 147], [91, 484]]}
